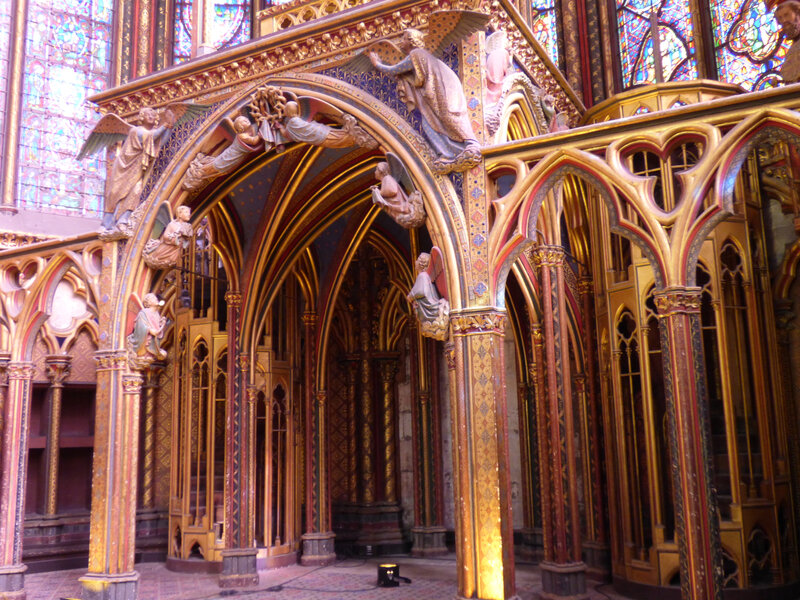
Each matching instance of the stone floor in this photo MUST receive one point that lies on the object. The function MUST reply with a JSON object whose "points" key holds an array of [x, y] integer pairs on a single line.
{"points": [[350, 579]]}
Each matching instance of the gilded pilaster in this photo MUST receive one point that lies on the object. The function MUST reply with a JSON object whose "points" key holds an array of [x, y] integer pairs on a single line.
{"points": [[58, 368], [239, 557], [480, 455], [366, 443], [114, 480], [13, 470], [563, 571], [13, 108], [145, 36], [388, 370], [687, 413]]}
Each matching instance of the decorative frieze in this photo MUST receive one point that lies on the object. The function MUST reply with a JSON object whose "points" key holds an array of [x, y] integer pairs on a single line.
{"points": [[677, 300]]}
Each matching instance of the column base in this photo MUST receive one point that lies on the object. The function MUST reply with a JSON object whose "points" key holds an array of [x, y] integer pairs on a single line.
{"points": [[239, 568], [563, 581], [598, 561], [428, 541], [103, 586], [318, 549], [12, 582], [531, 544]]}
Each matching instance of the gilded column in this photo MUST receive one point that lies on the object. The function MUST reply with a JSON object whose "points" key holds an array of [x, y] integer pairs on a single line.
{"points": [[13, 470], [239, 567], [563, 571], [114, 479], [13, 108], [480, 454], [697, 525], [58, 368], [150, 387], [596, 548], [428, 534], [318, 537], [145, 37], [5, 357], [366, 446], [388, 370]]}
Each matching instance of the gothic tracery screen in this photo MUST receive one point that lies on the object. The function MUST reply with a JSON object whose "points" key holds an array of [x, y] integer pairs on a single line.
{"points": [[67, 58]]}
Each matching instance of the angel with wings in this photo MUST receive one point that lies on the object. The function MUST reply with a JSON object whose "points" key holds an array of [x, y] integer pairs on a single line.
{"points": [[297, 127], [427, 84], [431, 306], [140, 146], [148, 328], [164, 251], [396, 194]]}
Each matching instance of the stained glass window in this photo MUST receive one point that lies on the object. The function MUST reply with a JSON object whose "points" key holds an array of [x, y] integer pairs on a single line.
{"points": [[749, 47], [648, 58], [230, 25], [5, 32], [67, 58], [543, 25]]}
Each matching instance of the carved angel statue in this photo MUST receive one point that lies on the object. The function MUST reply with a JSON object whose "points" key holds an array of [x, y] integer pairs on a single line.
{"points": [[140, 145], [498, 66], [396, 193], [427, 84], [246, 140], [148, 330], [431, 305], [164, 251], [298, 125]]}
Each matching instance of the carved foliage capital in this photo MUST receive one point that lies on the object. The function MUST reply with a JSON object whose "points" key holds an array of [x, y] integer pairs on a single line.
{"points": [[677, 300], [483, 322], [111, 360], [548, 256], [309, 319], [233, 298], [132, 383], [58, 368], [321, 396], [19, 370]]}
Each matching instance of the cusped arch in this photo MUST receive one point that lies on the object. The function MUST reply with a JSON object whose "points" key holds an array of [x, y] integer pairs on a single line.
{"points": [[515, 227], [445, 215]]}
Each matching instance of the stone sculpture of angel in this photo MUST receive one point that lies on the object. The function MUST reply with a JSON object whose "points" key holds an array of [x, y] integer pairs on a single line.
{"points": [[246, 141], [164, 251], [396, 193], [299, 125], [148, 330], [141, 142], [427, 84], [429, 295]]}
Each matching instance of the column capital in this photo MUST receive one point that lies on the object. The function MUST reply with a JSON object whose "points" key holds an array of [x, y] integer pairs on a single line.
{"points": [[252, 394], [677, 300], [321, 396], [58, 367], [585, 286], [309, 318], [132, 383], [111, 360], [388, 369], [483, 320], [547, 255], [233, 298], [19, 370]]}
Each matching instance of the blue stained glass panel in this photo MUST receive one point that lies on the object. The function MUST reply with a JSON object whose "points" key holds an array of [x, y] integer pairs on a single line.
{"points": [[230, 26], [639, 22], [5, 40], [544, 27], [749, 46], [67, 58]]}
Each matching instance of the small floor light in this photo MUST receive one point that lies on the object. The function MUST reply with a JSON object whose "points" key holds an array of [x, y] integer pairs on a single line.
{"points": [[388, 575]]}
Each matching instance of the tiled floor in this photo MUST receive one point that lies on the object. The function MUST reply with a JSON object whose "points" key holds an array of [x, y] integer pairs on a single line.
{"points": [[351, 579]]}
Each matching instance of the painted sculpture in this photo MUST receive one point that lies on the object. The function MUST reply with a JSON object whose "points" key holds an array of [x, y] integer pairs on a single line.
{"points": [[140, 145], [430, 305], [425, 83], [787, 13], [396, 193], [246, 140], [165, 251], [148, 329]]}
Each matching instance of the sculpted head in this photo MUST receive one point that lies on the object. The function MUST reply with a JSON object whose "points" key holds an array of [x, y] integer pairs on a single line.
{"points": [[183, 213], [381, 170], [412, 38], [241, 124], [788, 16], [291, 109], [150, 300], [423, 260], [147, 116]]}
